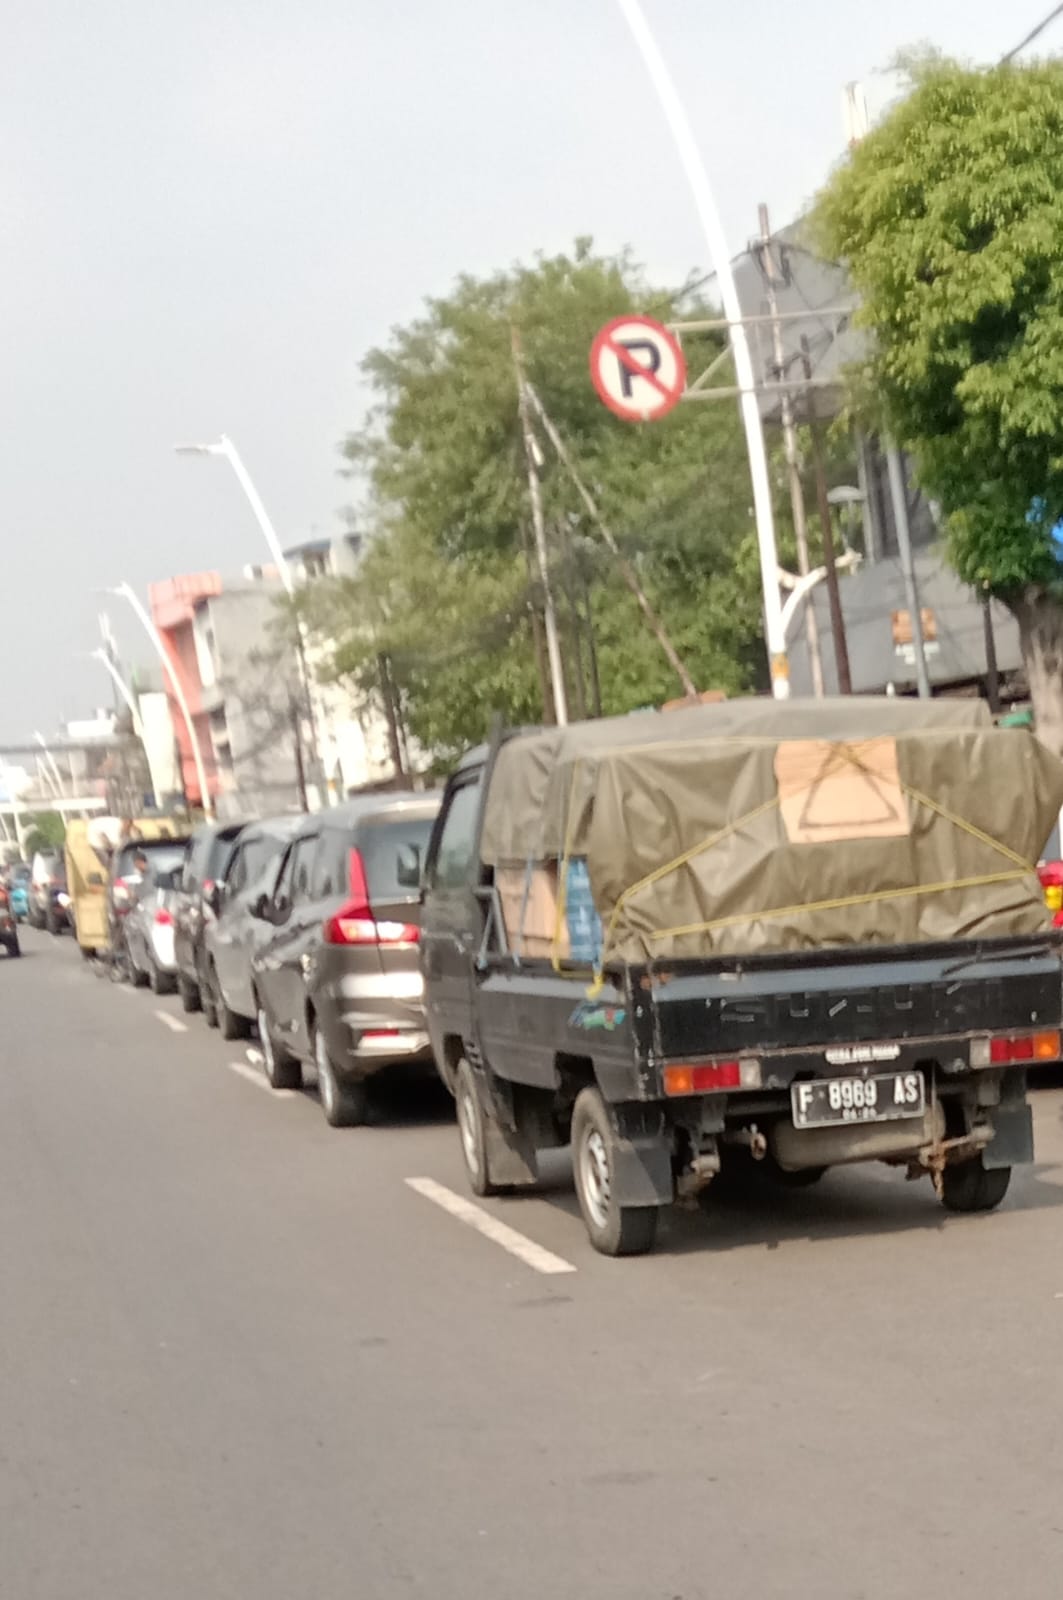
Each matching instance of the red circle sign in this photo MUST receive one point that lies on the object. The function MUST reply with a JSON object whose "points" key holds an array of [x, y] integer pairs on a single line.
{"points": [[638, 368]]}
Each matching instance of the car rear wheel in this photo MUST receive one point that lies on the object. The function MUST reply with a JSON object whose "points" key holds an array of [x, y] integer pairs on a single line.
{"points": [[614, 1230], [345, 1105], [282, 1069], [137, 978], [191, 999], [230, 1023], [161, 982]]}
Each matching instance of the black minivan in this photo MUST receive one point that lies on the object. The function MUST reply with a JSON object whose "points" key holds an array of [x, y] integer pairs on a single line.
{"points": [[337, 981], [207, 860]]}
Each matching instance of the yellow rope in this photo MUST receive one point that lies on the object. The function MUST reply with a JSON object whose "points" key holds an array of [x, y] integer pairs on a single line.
{"points": [[842, 903]]}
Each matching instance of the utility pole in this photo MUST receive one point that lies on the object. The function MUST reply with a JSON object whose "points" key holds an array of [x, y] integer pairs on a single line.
{"points": [[793, 465], [992, 674], [295, 718], [834, 599], [627, 571], [553, 645], [899, 496]]}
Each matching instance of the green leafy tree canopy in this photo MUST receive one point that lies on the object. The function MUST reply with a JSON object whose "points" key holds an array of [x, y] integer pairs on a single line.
{"points": [[950, 219]]}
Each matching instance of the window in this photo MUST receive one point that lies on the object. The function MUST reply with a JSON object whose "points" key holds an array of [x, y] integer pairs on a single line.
{"points": [[457, 840], [236, 877], [282, 893], [394, 850], [330, 877], [303, 853]]}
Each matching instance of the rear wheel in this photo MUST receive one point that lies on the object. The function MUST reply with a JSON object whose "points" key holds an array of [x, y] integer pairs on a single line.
{"points": [[52, 922], [208, 991], [12, 946], [970, 1186], [345, 1104], [614, 1230], [472, 1126], [230, 1023], [139, 980], [161, 982], [282, 1069], [190, 996]]}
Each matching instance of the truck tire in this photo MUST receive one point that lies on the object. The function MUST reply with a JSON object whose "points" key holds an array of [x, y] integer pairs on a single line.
{"points": [[614, 1230], [282, 1069], [472, 1126], [970, 1186]]}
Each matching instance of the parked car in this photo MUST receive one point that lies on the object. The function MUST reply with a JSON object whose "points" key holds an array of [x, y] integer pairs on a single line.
{"points": [[337, 978], [130, 865], [228, 999], [49, 901], [8, 926], [149, 925], [210, 851], [18, 890]]}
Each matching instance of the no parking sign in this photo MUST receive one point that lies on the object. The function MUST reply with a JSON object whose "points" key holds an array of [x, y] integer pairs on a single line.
{"points": [[638, 368]]}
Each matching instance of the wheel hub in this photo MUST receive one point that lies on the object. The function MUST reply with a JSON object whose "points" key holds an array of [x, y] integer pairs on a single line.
{"points": [[595, 1177]]}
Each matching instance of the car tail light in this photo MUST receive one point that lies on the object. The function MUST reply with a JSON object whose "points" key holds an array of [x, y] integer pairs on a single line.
{"points": [[706, 1077], [1051, 876], [1008, 1050], [163, 918], [355, 923], [121, 893]]}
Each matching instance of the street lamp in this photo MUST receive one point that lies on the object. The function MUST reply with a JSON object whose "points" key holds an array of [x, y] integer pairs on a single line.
{"points": [[224, 447], [128, 593], [51, 762], [698, 179], [801, 587]]}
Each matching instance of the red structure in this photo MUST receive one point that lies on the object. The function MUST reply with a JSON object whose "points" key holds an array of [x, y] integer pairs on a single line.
{"points": [[172, 604]]}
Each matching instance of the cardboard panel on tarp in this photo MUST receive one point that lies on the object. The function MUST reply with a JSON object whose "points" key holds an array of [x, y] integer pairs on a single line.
{"points": [[529, 910]]}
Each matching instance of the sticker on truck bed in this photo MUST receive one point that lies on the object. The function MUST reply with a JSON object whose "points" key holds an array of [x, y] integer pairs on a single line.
{"points": [[588, 1014]]}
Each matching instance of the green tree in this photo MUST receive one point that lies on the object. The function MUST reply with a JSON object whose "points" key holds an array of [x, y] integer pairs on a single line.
{"points": [[44, 830], [950, 218], [448, 593]]}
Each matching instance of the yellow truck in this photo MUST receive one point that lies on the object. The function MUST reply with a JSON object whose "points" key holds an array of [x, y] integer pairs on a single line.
{"points": [[90, 846]]}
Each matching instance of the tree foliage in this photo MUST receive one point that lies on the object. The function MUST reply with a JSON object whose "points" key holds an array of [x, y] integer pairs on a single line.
{"points": [[446, 590], [950, 218]]}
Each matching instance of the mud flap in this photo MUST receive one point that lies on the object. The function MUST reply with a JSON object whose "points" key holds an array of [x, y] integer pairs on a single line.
{"points": [[642, 1172], [510, 1160], [1012, 1141]]}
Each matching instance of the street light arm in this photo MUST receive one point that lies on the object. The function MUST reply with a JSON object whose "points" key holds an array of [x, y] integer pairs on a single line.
{"points": [[123, 688], [225, 447], [128, 593]]}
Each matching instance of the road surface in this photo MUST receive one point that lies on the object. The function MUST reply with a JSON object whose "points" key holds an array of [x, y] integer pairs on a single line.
{"points": [[241, 1356]]}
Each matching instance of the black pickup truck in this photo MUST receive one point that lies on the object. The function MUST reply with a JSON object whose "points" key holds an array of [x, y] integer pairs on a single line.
{"points": [[659, 1073]]}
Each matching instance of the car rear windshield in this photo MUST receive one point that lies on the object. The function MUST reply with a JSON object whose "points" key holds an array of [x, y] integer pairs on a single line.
{"points": [[162, 854], [393, 851], [258, 853]]}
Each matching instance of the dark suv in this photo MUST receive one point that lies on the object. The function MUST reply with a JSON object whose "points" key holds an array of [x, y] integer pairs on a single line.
{"points": [[337, 978], [210, 850]]}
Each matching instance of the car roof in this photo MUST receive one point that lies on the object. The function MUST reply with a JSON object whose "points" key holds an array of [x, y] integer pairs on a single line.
{"points": [[281, 827], [370, 808]]}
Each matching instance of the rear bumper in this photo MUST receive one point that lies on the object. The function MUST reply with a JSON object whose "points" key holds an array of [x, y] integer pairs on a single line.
{"points": [[373, 1023]]}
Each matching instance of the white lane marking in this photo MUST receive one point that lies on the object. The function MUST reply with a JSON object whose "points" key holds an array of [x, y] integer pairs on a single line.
{"points": [[174, 1024], [533, 1255], [242, 1070]]}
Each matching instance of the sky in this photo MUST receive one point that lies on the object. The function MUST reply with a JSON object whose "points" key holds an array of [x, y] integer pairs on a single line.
{"points": [[210, 211]]}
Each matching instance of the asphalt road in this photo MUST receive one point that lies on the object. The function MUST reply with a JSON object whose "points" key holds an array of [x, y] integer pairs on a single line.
{"points": [[241, 1357]]}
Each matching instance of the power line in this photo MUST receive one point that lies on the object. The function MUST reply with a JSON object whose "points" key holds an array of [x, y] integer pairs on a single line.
{"points": [[1057, 11]]}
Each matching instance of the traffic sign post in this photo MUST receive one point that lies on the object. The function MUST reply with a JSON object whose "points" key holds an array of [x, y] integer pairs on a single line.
{"points": [[638, 368]]}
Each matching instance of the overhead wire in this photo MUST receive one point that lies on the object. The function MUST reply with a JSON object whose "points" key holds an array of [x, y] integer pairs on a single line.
{"points": [[1034, 33]]}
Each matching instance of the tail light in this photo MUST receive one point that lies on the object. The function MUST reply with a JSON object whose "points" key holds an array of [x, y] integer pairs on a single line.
{"points": [[163, 918], [1008, 1050], [121, 893], [1051, 876], [355, 924], [705, 1077]]}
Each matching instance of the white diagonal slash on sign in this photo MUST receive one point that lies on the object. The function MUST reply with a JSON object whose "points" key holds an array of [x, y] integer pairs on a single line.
{"points": [[533, 1255]]}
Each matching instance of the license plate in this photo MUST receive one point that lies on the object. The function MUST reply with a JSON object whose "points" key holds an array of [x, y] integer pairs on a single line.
{"points": [[883, 1097]]}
